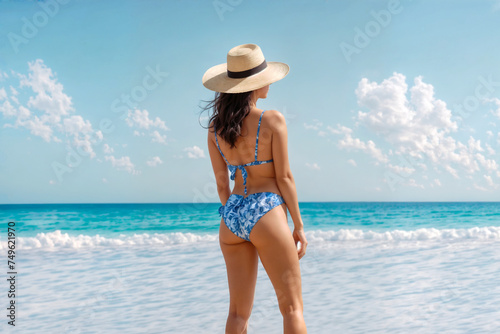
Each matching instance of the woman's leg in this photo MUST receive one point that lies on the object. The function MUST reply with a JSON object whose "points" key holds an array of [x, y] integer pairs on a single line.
{"points": [[242, 265], [274, 242]]}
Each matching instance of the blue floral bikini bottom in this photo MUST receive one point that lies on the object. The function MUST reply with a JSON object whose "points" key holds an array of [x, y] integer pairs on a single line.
{"points": [[240, 214]]}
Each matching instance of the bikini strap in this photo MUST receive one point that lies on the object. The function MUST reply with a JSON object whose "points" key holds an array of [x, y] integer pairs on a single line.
{"points": [[215, 131], [257, 139]]}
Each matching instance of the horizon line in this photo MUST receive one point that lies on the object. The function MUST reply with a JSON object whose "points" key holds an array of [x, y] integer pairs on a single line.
{"points": [[193, 203]]}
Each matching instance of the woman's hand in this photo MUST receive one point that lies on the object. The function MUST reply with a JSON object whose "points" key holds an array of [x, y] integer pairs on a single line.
{"points": [[299, 235]]}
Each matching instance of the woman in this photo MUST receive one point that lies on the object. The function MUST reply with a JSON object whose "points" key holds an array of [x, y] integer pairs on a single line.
{"points": [[253, 145]]}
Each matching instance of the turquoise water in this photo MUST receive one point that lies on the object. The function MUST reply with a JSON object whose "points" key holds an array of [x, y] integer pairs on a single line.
{"points": [[115, 219], [158, 268]]}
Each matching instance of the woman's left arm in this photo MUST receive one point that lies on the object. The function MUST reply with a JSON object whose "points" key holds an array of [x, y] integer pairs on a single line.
{"points": [[220, 169]]}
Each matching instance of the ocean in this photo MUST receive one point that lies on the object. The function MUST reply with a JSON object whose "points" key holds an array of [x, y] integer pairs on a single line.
{"points": [[371, 267]]}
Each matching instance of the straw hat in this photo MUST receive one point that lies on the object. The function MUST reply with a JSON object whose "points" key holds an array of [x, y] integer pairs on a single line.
{"points": [[246, 70]]}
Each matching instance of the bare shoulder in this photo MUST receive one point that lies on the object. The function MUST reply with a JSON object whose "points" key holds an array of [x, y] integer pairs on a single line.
{"points": [[210, 132], [276, 120]]}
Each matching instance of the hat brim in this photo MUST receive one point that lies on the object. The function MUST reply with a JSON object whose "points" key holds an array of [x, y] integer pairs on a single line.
{"points": [[216, 79]]}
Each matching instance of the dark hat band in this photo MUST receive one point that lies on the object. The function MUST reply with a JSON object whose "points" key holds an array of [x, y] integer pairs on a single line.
{"points": [[247, 73]]}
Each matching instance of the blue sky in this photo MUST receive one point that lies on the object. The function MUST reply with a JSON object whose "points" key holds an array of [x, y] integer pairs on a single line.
{"points": [[385, 100]]}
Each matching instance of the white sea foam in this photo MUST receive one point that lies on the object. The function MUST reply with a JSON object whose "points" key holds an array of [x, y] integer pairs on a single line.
{"points": [[179, 289], [480, 233], [59, 240]]}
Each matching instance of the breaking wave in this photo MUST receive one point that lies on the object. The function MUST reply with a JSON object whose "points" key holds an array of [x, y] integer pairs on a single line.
{"points": [[59, 240]]}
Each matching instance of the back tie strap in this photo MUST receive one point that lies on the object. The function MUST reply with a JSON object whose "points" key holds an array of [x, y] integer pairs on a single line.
{"points": [[244, 174]]}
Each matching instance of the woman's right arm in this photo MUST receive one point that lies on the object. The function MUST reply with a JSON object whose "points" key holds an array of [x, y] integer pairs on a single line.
{"points": [[284, 177]]}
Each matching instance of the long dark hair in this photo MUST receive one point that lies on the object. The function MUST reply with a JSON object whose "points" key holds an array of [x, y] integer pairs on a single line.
{"points": [[229, 110]]}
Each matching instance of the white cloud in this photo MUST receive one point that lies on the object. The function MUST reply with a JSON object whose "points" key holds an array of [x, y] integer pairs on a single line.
{"points": [[122, 163], [99, 134], [49, 93], [489, 180], [404, 171], [313, 166], [76, 124], [86, 145], [478, 187], [413, 183], [352, 162], [496, 101], [13, 91], [417, 126], [141, 120], [414, 125], [49, 111], [7, 109], [154, 162], [52, 182], [158, 138], [81, 130], [104, 180], [38, 128], [3, 94], [14, 94], [315, 126], [194, 152], [107, 149], [23, 113], [13, 98], [348, 142], [488, 164], [452, 171], [341, 130]]}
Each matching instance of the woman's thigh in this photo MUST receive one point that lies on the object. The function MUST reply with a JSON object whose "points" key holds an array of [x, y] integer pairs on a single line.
{"points": [[242, 265], [277, 251]]}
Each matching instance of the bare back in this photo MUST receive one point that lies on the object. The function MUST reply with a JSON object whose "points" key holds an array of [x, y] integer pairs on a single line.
{"points": [[261, 177]]}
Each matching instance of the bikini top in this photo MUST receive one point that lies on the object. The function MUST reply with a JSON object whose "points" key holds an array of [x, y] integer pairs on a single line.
{"points": [[233, 168]]}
